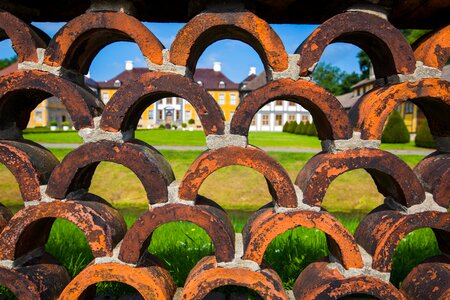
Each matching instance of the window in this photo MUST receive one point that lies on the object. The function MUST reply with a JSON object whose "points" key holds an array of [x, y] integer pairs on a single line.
{"points": [[305, 118], [105, 97], [221, 85], [117, 83], [187, 115], [291, 117], [177, 101], [254, 121], [233, 99], [278, 120], [292, 103], [38, 116], [265, 119], [160, 114], [279, 102], [150, 114], [221, 98], [409, 108]]}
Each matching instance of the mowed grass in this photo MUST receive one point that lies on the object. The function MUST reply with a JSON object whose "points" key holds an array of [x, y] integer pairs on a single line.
{"points": [[159, 137], [235, 187]]}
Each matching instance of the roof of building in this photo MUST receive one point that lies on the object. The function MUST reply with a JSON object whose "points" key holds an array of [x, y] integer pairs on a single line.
{"points": [[9, 69], [124, 77], [211, 80], [254, 83]]}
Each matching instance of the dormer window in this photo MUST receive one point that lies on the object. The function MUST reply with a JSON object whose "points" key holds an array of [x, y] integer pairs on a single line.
{"points": [[221, 84], [200, 83], [117, 83]]}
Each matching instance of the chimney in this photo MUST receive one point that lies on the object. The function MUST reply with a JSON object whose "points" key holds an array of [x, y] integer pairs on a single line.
{"points": [[217, 66], [128, 65], [88, 75], [252, 71]]}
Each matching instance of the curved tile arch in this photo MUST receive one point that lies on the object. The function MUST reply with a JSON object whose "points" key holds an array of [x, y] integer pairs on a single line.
{"points": [[381, 231], [25, 40], [76, 44], [44, 280], [280, 185], [29, 229], [331, 120], [387, 48], [127, 105], [268, 225], [319, 281], [30, 164], [211, 219], [434, 48], [392, 176], [434, 173], [151, 282], [209, 27], [22, 91], [432, 96], [207, 276], [77, 168]]}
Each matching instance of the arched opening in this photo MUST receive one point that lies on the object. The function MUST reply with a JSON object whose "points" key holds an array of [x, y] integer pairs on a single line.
{"points": [[292, 251], [112, 289], [10, 196], [171, 239], [233, 291], [120, 187], [413, 249], [353, 192], [74, 255]]}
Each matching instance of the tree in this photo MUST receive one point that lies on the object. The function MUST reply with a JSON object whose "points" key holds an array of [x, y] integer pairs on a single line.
{"points": [[348, 80], [395, 130], [5, 62], [328, 77], [364, 64], [424, 137], [413, 35], [286, 126]]}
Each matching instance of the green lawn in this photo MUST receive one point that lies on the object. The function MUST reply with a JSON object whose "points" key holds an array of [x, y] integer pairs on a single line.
{"points": [[158, 137]]}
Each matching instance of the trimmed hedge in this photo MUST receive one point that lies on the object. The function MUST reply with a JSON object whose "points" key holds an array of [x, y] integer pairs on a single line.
{"points": [[395, 131], [300, 128], [312, 130], [424, 137]]}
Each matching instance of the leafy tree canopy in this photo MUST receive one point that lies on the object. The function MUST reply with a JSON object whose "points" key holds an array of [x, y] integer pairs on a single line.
{"points": [[5, 62]]}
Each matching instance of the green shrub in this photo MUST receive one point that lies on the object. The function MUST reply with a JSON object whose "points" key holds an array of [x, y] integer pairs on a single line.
{"points": [[285, 126], [174, 126], [312, 130], [191, 121], [184, 125], [424, 137], [299, 128], [395, 131], [292, 126], [53, 123], [161, 126], [65, 123], [305, 128]]}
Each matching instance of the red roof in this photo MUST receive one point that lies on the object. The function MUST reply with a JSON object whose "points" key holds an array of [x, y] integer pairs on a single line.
{"points": [[211, 80], [124, 77], [9, 69]]}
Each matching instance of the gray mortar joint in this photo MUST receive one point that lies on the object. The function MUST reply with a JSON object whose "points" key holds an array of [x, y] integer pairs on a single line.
{"points": [[58, 71], [355, 142], [420, 72], [427, 205], [301, 206], [371, 9], [96, 134], [367, 270], [167, 66], [113, 259], [216, 141], [292, 72], [238, 262], [172, 191]]}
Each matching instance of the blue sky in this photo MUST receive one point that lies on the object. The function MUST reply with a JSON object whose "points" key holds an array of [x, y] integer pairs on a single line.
{"points": [[235, 56]]}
